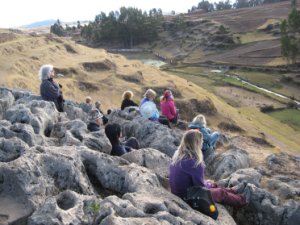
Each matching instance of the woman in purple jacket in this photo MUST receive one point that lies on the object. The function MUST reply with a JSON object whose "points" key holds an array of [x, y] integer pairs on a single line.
{"points": [[49, 89], [187, 170]]}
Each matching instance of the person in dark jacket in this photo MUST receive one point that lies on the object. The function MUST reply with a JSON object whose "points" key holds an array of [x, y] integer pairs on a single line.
{"points": [[113, 133], [209, 138], [127, 100], [187, 170], [50, 90], [95, 120]]}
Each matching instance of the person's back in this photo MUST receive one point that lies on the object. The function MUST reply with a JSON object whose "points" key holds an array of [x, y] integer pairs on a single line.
{"points": [[184, 175], [127, 100], [209, 138], [187, 170], [113, 133], [167, 106]]}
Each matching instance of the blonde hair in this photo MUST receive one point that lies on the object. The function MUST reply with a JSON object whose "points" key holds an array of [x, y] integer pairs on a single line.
{"points": [[150, 93], [190, 147], [127, 95], [88, 99], [200, 119]]}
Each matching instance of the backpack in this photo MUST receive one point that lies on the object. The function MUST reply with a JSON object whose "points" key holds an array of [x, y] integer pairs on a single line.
{"points": [[200, 199]]}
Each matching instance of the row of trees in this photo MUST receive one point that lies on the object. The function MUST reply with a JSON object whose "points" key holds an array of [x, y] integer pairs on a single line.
{"points": [[129, 26], [290, 36], [58, 29], [222, 5]]}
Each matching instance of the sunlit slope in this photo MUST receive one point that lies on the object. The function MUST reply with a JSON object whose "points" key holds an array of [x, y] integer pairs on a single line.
{"points": [[105, 76]]}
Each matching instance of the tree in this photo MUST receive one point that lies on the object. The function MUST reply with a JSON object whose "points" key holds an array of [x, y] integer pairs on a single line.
{"points": [[290, 37], [294, 3], [79, 25], [129, 26], [223, 5], [206, 6], [57, 29], [241, 4]]}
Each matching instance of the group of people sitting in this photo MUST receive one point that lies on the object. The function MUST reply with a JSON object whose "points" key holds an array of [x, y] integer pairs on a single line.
{"points": [[148, 109], [188, 163]]}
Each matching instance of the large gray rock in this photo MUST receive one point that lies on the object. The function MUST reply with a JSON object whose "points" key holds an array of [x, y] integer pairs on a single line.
{"points": [[149, 134], [15, 206], [74, 111], [222, 165], [6, 101], [68, 207], [39, 114], [53, 171], [117, 174], [24, 132], [265, 208], [248, 175], [150, 158], [11, 149], [70, 133]]}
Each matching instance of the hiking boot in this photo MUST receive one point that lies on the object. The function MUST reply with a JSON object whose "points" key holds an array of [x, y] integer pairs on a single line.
{"points": [[239, 189], [248, 193]]}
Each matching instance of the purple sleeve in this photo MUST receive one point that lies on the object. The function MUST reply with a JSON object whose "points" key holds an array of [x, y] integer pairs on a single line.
{"points": [[197, 174]]}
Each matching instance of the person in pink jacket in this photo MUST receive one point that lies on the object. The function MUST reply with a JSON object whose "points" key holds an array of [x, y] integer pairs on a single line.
{"points": [[168, 108]]}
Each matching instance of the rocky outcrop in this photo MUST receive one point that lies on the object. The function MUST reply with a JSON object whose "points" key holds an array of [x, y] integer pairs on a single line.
{"points": [[54, 171]]}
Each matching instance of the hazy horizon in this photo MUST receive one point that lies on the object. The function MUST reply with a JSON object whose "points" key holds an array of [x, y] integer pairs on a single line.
{"points": [[15, 13]]}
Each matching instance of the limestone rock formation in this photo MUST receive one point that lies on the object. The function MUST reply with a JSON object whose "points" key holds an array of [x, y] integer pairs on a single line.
{"points": [[54, 171]]}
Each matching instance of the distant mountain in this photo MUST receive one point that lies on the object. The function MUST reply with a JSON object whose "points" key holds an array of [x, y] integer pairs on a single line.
{"points": [[44, 23]]}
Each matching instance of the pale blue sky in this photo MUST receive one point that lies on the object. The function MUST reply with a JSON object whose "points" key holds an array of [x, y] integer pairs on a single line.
{"points": [[21, 12]]}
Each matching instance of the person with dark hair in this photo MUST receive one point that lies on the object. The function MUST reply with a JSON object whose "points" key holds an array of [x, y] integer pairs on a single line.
{"points": [[127, 100], [50, 90], [113, 133], [187, 170], [95, 120]]}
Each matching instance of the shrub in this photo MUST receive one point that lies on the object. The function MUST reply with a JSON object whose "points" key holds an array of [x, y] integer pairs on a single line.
{"points": [[267, 108]]}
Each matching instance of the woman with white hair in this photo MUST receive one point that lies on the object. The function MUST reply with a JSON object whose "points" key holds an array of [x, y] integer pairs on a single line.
{"points": [[49, 89]]}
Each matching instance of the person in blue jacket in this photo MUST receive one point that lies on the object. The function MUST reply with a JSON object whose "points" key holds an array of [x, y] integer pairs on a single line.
{"points": [[149, 110], [209, 138], [50, 90], [113, 133]]}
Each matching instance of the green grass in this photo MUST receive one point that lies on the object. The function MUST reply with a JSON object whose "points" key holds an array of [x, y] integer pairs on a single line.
{"points": [[201, 75], [289, 116], [267, 80], [254, 36]]}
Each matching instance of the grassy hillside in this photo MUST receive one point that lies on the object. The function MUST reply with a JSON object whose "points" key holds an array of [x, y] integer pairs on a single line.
{"points": [[105, 76], [251, 38]]}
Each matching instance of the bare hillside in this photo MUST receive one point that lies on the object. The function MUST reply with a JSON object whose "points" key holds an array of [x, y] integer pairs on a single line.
{"points": [[105, 76], [251, 36]]}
